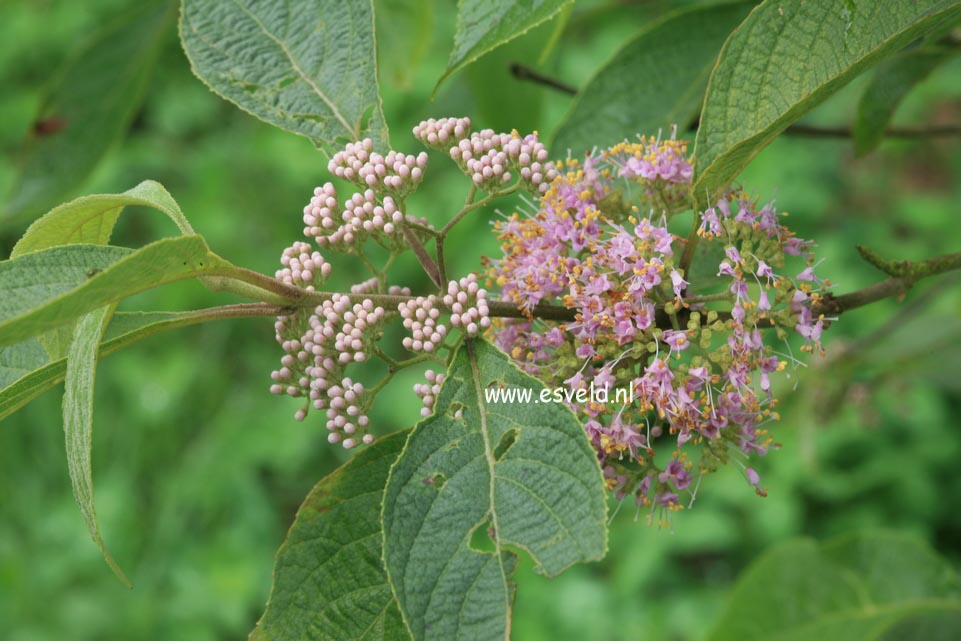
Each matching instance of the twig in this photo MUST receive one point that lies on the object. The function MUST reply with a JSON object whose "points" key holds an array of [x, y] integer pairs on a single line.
{"points": [[814, 131], [430, 267], [904, 274], [469, 206], [522, 72]]}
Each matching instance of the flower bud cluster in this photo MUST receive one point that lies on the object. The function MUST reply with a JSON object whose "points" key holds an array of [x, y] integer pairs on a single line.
{"points": [[427, 392], [302, 267], [440, 133], [364, 215], [368, 286], [345, 418], [492, 159], [318, 347], [467, 302], [395, 173], [420, 315]]}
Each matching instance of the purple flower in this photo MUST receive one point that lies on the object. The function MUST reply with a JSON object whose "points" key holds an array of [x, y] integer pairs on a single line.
{"points": [[725, 269], [676, 474], [677, 340], [677, 282]]}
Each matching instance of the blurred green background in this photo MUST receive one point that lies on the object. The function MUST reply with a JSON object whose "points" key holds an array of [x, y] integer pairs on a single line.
{"points": [[199, 469]]}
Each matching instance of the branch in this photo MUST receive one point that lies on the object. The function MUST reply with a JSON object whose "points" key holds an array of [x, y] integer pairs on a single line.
{"points": [[813, 131], [522, 72], [903, 275], [469, 206], [430, 267]]}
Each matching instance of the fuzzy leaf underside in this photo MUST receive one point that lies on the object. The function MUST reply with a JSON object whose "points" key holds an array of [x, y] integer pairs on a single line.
{"points": [[89, 220], [78, 421], [46, 289]]}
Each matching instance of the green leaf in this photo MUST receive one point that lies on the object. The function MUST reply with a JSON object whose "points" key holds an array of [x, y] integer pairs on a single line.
{"points": [[892, 81], [329, 579], [405, 29], [475, 476], [46, 289], [650, 83], [484, 26], [89, 107], [855, 588], [26, 373], [90, 219], [307, 66], [16, 361], [78, 421], [788, 57]]}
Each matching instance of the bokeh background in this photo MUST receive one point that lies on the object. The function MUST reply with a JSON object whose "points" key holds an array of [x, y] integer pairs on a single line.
{"points": [[199, 469]]}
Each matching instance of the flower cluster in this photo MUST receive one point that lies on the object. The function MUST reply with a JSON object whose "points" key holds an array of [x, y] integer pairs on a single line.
{"points": [[318, 347], [420, 317], [694, 359], [467, 302], [320, 343], [488, 158], [427, 392], [694, 337], [302, 267], [396, 173], [364, 215], [439, 133]]}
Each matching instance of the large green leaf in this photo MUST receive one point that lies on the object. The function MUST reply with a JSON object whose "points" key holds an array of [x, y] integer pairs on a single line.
{"points": [[78, 420], [329, 579], [474, 476], [26, 372], [89, 107], [90, 219], [859, 588], [307, 66], [45, 289], [483, 26], [892, 81], [786, 58], [650, 83]]}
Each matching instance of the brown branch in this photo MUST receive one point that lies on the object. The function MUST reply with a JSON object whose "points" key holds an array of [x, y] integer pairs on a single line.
{"points": [[904, 274], [522, 72], [814, 131], [430, 267]]}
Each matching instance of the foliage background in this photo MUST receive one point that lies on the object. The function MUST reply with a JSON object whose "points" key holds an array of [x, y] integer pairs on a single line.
{"points": [[199, 470]]}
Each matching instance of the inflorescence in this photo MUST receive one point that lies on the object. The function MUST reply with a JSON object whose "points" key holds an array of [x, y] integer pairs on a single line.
{"points": [[694, 358], [695, 344]]}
